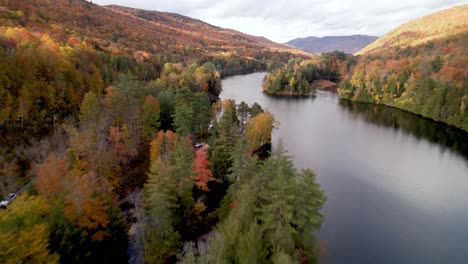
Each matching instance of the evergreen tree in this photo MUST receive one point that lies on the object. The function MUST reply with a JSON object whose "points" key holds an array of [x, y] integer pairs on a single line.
{"points": [[437, 64], [243, 112], [150, 115], [90, 111], [202, 113], [255, 110], [224, 141], [183, 172], [167, 108], [161, 239], [184, 113]]}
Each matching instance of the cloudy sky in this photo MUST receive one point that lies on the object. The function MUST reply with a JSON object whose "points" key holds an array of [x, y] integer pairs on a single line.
{"points": [[283, 20]]}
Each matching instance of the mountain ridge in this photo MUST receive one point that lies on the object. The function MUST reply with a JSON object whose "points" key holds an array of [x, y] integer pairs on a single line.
{"points": [[189, 26]]}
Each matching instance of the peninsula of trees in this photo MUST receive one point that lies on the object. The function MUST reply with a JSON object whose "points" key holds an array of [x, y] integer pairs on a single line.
{"points": [[300, 77]]}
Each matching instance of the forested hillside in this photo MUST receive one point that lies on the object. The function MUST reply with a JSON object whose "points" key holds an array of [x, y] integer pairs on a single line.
{"points": [[420, 67], [98, 103], [53, 51], [439, 25], [196, 33]]}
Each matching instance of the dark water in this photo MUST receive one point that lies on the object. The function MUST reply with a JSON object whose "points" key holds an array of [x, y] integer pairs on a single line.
{"points": [[397, 184]]}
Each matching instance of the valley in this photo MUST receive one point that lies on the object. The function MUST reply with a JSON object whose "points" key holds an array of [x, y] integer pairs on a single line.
{"points": [[131, 135]]}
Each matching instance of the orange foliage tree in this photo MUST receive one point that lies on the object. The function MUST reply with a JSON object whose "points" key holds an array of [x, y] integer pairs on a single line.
{"points": [[162, 145], [51, 177], [82, 194]]}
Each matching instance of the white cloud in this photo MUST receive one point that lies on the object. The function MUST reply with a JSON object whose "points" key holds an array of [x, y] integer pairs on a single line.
{"points": [[282, 20]]}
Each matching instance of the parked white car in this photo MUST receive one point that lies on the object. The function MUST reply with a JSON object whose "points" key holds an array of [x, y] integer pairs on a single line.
{"points": [[7, 200]]}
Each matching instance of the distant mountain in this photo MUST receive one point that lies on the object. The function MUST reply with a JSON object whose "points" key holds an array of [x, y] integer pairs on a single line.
{"points": [[435, 26], [348, 44]]}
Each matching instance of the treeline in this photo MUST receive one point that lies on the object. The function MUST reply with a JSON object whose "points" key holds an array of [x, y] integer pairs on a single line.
{"points": [[296, 77], [429, 79]]}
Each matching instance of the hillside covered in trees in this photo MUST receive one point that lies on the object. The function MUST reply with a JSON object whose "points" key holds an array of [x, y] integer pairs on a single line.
{"points": [[111, 129], [439, 25], [54, 51], [419, 67], [198, 34]]}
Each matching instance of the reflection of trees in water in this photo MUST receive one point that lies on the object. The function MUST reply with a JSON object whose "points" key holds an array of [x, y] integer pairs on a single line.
{"points": [[422, 128], [291, 97]]}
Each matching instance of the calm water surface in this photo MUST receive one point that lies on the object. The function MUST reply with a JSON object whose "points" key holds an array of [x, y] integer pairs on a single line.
{"points": [[397, 184]]}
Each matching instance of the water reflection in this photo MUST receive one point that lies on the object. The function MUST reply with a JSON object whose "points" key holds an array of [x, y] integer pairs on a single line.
{"points": [[422, 128]]}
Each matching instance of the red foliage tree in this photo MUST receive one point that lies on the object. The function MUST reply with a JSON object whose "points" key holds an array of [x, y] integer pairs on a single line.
{"points": [[203, 173]]}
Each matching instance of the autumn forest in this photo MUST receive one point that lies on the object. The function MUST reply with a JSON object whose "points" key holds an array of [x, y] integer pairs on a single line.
{"points": [[117, 144], [91, 115]]}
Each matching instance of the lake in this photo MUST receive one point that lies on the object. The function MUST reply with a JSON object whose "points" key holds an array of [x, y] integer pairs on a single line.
{"points": [[397, 183]]}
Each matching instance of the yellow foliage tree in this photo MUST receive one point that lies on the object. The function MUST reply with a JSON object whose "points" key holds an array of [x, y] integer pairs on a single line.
{"points": [[23, 232], [258, 130]]}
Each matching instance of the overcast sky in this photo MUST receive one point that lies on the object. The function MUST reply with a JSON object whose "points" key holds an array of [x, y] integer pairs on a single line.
{"points": [[283, 20]]}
